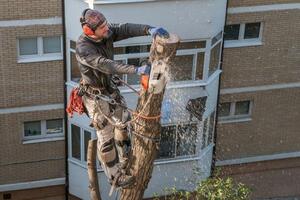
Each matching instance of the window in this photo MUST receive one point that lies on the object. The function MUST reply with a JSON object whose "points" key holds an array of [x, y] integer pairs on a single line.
{"points": [[54, 126], [231, 32], [43, 129], [75, 73], [79, 143], [252, 30], [208, 130], [51, 44], [178, 140], [211, 127], [204, 135], [28, 46], [192, 45], [39, 49], [76, 153], [188, 63], [214, 58], [137, 49], [224, 109], [87, 137], [217, 38], [242, 108], [200, 65], [167, 142], [245, 34], [235, 110], [32, 129], [182, 68], [215, 53], [186, 137]]}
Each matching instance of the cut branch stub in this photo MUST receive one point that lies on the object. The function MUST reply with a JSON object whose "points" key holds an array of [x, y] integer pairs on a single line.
{"points": [[164, 49], [92, 170]]}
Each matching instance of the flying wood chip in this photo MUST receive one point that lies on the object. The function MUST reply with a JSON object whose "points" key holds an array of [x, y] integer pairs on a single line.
{"points": [[197, 107]]}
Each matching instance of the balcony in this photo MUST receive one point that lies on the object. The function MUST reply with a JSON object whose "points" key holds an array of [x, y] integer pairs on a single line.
{"points": [[186, 141]]}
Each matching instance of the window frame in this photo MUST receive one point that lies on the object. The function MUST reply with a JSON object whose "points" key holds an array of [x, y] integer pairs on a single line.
{"points": [[180, 52], [82, 138], [206, 129], [40, 56], [44, 136], [232, 117], [205, 50], [70, 63], [219, 59], [241, 41], [176, 138]]}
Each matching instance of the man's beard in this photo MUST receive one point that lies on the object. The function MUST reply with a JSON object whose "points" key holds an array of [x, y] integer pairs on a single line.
{"points": [[108, 35]]}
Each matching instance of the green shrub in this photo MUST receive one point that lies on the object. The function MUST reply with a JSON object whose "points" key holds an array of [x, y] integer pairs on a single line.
{"points": [[213, 188], [218, 188]]}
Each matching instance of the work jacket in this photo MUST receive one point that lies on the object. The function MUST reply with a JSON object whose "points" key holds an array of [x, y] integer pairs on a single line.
{"points": [[95, 58]]}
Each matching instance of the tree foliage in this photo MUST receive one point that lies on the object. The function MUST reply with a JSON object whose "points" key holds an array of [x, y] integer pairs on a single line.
{"points": [[213, 188]]}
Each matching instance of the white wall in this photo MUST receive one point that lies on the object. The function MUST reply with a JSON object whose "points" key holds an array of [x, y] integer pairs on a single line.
{"points": [[165, 175], [73, 11], [190, 19]]}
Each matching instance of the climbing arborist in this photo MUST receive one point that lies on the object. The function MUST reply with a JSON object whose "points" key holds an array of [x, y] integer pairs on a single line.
{"points": [[100, 95]]}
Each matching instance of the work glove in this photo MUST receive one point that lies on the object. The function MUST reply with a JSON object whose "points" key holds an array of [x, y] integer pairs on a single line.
{"points": [[153, 31], [145, 69]]}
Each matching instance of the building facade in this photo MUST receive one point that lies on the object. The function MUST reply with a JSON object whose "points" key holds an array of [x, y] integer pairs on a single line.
{"points": [[32, 146], [258, 121], [257, 129]]}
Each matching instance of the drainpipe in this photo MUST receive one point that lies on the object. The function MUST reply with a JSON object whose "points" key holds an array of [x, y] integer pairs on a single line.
{"points": [[213, 165], [65, 100]]}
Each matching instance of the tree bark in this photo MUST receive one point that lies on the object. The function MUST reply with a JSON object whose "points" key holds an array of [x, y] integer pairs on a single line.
{"points": [[92, 170], [146, 128]]}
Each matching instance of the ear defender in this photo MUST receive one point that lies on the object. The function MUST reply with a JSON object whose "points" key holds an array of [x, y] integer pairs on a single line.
{"points": [[87, 30]]}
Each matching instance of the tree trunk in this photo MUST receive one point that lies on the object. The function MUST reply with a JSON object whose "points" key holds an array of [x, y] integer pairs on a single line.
{"points": [[92, 170], [146, 127]]}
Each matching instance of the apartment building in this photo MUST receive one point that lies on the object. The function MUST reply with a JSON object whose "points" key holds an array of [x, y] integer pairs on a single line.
{"points": [[257, 130], [32, 144], [186, 141], [258, 122]]}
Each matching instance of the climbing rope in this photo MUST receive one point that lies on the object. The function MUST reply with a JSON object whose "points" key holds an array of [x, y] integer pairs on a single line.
{"points": [[153, 139], [113, 102]]}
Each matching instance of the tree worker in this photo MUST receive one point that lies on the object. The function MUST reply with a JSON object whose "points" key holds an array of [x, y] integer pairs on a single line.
{"points": [[94, 53]]}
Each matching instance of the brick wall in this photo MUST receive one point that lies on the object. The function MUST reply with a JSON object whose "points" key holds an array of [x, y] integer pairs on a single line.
{"points": [[241, 3], [274, 127], [29, 84], [276, 61], [45, 193], [268, 179], [28, 162], [33, 9], [26, 84], [33, 171]]}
